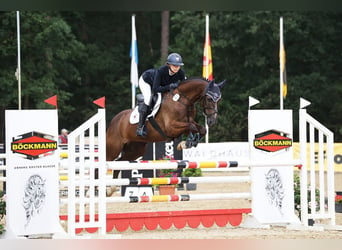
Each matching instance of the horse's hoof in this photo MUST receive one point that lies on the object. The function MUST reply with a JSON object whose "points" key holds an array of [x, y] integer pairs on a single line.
{"points": [[181, 145], [110, 190]]}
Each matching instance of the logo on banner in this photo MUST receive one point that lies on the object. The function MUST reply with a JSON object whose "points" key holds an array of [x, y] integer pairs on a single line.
{"points": [[272, 141], [33, 145], [169, 150]]}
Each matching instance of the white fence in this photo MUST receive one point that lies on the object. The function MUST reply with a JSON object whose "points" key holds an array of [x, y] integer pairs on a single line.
{"points": [[76, 161], [321, 177], [86, 162]]}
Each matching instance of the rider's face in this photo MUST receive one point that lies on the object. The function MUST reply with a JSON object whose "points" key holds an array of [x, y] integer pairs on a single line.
{"points": [[174, 68]]}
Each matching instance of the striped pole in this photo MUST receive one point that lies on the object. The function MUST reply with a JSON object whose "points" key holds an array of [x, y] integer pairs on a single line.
{"points": [[174, 164], [166, 180], [170, 198]]}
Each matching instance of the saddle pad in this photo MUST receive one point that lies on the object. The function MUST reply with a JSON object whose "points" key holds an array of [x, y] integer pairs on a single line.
{"points": [[134, 117]]}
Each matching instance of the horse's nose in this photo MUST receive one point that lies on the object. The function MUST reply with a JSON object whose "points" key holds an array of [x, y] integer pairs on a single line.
{"points": [[211, 120]]}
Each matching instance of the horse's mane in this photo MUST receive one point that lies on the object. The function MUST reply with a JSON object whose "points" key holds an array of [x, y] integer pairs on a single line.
{"points": [[192, 78]]}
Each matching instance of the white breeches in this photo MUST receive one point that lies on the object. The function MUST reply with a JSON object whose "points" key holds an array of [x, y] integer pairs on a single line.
{"points": [[145, 89]]}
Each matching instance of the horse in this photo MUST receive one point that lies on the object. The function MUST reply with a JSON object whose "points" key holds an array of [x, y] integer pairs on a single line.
{"points": [[176, 117]]}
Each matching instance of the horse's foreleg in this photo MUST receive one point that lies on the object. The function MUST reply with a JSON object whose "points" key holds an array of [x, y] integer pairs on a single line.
{"points": [[202, 131], [195, 134], [194, 131], [193, 140], [196, 139]]}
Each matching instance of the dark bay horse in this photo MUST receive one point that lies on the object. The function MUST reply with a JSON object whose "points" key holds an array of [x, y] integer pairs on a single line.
{"points": [[175, 117]]}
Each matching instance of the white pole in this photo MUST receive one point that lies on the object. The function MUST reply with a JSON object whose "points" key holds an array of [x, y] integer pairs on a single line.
{"points": [[18, 72], [281, 63], [133, 48], [207, 128], [207, 69], [134, 62]]}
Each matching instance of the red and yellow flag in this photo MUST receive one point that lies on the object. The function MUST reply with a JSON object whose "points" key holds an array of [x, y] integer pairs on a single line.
{"points": [[207, 58], [283, 69]]}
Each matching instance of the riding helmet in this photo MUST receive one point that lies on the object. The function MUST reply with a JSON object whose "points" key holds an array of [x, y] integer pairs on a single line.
{"points": [[175, 59]]}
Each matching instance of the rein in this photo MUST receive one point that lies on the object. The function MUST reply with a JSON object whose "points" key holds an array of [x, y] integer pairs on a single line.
{"points": [[183, 99], [190, 105], [208, 108], [189, 109]]}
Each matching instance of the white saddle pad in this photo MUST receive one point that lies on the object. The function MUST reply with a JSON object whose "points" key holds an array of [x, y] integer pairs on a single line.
{"points": [[134, 117]]}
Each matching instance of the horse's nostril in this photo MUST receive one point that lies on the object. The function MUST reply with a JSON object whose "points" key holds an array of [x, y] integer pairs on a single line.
{"points": [[211, 122]]}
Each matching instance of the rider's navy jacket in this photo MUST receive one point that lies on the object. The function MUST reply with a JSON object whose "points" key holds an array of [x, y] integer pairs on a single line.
{"points": [[160, 79]]}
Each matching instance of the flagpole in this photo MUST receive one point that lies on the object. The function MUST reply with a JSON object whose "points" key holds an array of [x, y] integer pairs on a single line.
{"points": [[207, 69], [134, 61], [206, 41], [133, 53], [281, 63], [18, 72]]}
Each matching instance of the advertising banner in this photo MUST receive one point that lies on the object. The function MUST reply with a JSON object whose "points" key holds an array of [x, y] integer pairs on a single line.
{"points": [[239, 151], [234, 151], [270, 138], [32, 171], [337, 155]]}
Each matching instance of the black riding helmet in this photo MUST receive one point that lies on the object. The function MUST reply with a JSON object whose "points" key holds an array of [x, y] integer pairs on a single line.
{"points": [[175, 59]]}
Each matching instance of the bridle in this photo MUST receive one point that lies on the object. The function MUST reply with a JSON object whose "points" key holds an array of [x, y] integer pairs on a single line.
{"points": [[210, 97]]}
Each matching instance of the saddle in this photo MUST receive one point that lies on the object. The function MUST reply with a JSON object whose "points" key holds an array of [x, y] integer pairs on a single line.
{"points": [[155, 105]]}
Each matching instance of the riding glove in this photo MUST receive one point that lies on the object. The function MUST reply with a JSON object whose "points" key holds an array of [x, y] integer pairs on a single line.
{"points": [[173, 85]]}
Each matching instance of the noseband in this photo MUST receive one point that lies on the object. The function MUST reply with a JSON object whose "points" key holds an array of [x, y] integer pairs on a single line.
{"points": [[211, 97]]}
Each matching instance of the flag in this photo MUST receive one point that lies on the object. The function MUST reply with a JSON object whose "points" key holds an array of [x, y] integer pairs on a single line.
{"points": [[282, 66], [252, 101], [283, 70], [303, 103], [134, 61], [207, 65], [207, 58], [100, 102], [52, 100]]}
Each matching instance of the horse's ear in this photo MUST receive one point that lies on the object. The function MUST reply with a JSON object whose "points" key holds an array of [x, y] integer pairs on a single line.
{"points": [[220, 84], [211, 84]]}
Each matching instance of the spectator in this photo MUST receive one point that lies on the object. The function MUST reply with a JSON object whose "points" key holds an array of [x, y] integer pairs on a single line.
{"points": [[63, 138]]}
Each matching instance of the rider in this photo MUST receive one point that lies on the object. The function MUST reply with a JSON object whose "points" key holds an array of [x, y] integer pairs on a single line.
{"points": [[161, 80]]}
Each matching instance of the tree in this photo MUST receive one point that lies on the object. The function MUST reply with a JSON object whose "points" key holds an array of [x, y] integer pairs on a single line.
{"points": [[49, 52], [164, 35], [245, 48], [81, 56]]}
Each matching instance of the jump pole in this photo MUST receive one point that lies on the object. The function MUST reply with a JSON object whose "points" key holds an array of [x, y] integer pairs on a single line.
{"points": [[131, 165]]}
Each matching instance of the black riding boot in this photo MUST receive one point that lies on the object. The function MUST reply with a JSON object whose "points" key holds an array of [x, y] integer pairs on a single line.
{"points": [[141, 130]]}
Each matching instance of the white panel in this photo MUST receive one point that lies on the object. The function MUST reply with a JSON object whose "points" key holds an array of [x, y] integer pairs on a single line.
{"points": [[32, 184], [234, 151], [272, 187]]}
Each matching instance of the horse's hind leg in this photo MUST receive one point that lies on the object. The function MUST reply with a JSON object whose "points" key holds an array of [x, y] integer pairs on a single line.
{"points": [[113, 148], [132, 151]]}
